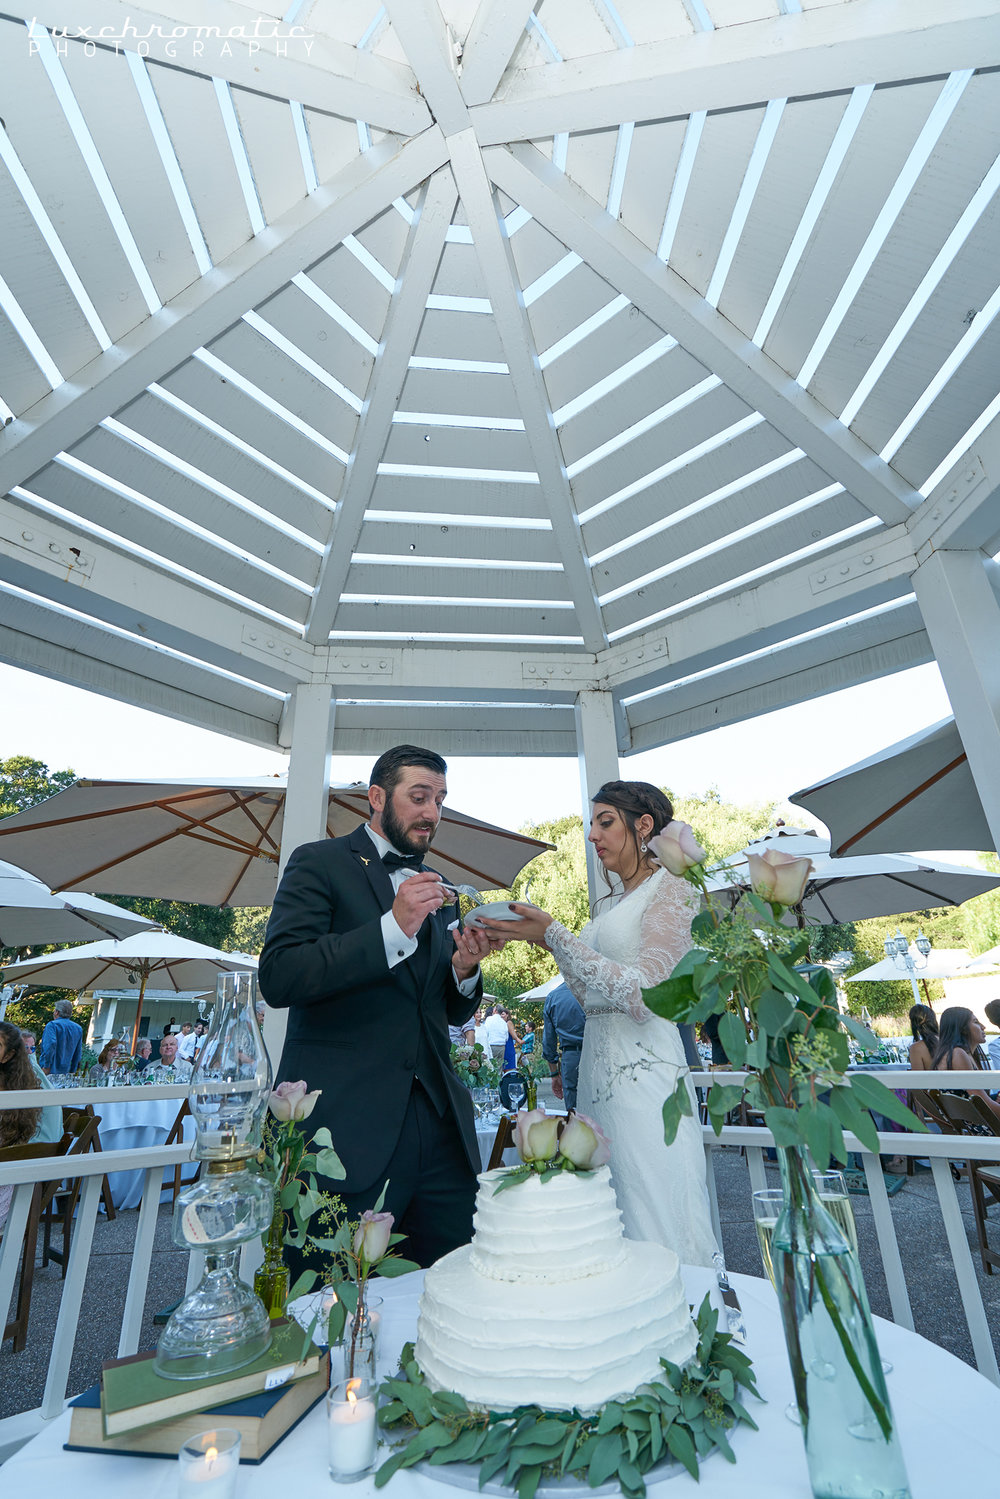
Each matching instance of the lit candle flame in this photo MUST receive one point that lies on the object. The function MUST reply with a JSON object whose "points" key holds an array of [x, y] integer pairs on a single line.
{"points": [[211, 1454], [352, 1386]]}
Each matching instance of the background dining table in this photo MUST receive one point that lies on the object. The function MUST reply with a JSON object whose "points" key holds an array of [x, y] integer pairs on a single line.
{"points": [[948, 1417]]}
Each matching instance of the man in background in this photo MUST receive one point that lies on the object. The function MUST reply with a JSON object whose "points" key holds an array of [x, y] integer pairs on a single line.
{"points": [[62, 1040], [179, 1069], [187, 1042], [992, 1013], [563, 1020]]}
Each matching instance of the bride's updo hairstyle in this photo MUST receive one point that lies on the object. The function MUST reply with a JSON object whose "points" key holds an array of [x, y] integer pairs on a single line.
{"points": [[635, 799]]}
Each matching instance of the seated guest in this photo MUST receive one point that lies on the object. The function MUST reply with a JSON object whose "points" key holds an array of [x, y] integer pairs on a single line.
{"points": [[171, 1068], [924, 1027], [143, 1054], [28, 1037], [109, 1054], [958, 1049], [17, 1126]]}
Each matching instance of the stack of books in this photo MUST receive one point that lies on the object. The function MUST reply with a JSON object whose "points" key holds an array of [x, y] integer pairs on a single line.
{"points": [[135, 1410]]}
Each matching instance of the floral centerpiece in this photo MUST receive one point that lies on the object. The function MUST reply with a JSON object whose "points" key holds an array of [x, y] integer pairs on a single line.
{"points": [[785, 1028], [291, 1168], [473, 1067]]}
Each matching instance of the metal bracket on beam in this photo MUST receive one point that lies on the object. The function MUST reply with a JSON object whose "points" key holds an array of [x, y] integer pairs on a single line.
{"points": [[582, 676], [275, 645], [841, 571], [622, 665], [359, 664], [62, 558]]}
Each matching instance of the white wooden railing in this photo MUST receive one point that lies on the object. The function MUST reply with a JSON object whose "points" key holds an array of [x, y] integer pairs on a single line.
{"points": [[154, 1160]]}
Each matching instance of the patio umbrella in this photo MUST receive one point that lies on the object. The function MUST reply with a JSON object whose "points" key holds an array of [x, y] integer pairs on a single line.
{"points": [[31, 915], [183, 840], [177, 962], [942, 963], [843, 890], [916, 794], [985, 963]]}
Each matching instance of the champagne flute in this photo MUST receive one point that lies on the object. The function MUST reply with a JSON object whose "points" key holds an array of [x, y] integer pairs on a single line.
{"points": [[767, 1209], [831, 1189]]}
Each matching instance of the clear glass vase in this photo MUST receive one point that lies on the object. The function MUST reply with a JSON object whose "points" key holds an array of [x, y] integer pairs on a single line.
{"points": [[852, 1447]]}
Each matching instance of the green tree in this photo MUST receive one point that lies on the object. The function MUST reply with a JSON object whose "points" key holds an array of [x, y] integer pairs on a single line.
{"points": [[212, 925], [249, 926], [24, 782]]}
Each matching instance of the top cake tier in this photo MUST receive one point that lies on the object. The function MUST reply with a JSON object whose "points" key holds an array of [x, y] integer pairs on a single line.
{"points": [[540, 1232]]}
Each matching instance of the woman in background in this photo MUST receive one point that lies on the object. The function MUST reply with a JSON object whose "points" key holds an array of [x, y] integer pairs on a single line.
{"points": [[17, 1126], [958, 1049], [925, 1031]]}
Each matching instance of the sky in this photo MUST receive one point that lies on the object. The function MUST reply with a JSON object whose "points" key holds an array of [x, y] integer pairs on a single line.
{"points": [[766, 758]]}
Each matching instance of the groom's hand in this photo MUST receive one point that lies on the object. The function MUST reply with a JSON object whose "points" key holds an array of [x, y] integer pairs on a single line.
{"points": [[416, 898], [471, 946]]}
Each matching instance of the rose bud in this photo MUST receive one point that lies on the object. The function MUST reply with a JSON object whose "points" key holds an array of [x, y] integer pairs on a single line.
{"points": [[535, 1135], [676, 848], [777, 877], [371, 1239], [583, 1143]]}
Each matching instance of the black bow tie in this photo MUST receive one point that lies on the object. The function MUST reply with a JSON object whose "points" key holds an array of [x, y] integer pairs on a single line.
{"points": [[392, 860]]}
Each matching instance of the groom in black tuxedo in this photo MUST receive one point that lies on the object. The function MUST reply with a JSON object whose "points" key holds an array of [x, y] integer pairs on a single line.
{"points": [[358, 949]]}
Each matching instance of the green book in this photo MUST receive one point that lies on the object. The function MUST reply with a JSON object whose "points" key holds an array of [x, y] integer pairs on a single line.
{"points": [[133, 1394]]}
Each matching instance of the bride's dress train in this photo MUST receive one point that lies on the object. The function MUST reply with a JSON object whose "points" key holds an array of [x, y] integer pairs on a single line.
{"points": [[631, 1061]]}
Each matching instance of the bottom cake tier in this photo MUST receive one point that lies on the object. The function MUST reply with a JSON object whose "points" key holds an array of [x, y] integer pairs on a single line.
{"points": [[570, 1346]]}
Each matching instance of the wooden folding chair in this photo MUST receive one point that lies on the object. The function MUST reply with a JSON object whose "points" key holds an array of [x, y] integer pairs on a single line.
{"points": [[17, 1328], [176, 1137], [502, 1140], [973, 1117], [59, 1198], [95, 1144]]}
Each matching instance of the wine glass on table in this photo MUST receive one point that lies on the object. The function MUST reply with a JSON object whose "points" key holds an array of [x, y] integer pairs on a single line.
{"points": [[517, 1093]]}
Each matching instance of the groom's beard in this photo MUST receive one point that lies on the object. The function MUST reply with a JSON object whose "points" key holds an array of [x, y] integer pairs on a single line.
{"points": [[401, 838]]}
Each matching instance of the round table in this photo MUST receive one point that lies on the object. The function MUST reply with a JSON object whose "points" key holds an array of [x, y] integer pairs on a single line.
{"points": [[948, 1418], [136, 1123]]}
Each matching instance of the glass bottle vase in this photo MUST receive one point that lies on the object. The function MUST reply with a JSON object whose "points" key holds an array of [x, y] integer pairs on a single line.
{"points": [[271, 1279], [852, 1447]]}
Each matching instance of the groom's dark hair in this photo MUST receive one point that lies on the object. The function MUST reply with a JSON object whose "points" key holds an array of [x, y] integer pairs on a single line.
{"points": [[389, 767]]}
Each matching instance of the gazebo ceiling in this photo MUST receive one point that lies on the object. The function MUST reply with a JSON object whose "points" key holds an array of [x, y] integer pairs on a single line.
{"points": [[473, 357]]}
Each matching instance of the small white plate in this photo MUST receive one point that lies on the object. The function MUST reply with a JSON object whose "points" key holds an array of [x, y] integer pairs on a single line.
{"points": [[495, 910]]}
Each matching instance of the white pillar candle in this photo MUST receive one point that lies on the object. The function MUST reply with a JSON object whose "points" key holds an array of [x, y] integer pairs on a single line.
{"points": [[352, 1429], [209, 1465]]}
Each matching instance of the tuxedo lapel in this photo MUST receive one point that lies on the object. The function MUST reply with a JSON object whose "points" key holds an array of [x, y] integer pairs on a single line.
{"points": [[365, 856]]}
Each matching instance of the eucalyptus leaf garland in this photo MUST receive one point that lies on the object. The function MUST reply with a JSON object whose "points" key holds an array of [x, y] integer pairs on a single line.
{"points": [[684, 1414]]}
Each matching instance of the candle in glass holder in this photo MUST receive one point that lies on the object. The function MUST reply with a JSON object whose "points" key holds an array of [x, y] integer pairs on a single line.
{"points": [[209, 1465], [351, 1411]]}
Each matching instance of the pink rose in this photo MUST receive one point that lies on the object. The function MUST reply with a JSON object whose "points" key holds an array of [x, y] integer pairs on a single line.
{"points": [[371, 1238], [584, 1144], [778, 877], [292, 1101], [535, 1135], [676, 848]]}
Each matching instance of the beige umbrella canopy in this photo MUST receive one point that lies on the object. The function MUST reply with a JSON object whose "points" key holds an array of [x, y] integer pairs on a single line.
{"points": [[219, 845], [30, 914], [177, 962]]}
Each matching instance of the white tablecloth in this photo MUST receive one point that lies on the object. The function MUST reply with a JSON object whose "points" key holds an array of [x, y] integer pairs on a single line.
{"points": [[948, 1417], [136, 1123]]}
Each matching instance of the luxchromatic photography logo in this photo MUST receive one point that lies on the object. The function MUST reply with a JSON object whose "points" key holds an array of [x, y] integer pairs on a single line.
{"points": [[263, 36]]}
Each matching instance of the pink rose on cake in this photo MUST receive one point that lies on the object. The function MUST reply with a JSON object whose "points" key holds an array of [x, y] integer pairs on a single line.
{"points": [[536, 1134], [583, 1143]]}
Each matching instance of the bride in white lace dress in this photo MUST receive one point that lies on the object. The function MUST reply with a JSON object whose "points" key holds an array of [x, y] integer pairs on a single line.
{"points": [[631, 1057]]}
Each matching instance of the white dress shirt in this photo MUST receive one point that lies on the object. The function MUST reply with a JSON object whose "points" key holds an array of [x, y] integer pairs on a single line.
{"points": [[398, 946]]}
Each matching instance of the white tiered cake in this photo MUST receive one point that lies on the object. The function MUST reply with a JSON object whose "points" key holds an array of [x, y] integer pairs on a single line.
{"points": [[550, 1305]]}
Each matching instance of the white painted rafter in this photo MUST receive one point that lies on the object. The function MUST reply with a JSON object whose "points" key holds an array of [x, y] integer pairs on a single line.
{"points": [[493, 37], [526, 378], [314, 69], [830, 48], [429, 47], [388, 374], [213, 303], [669, 301]]}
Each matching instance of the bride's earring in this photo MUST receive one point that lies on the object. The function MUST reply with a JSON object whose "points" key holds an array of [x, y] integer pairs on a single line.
{"points": [[642, 847]]}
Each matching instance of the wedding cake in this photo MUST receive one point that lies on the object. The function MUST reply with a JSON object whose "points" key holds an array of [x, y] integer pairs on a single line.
{"points": [[550, 1305]]}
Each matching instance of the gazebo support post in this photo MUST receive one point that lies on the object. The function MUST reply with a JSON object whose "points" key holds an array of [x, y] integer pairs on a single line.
{"points": [[597, 757], [961, 614], [313, 713]]}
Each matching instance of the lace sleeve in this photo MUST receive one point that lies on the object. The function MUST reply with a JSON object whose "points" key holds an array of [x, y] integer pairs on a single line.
{"points": [[665, 935]]}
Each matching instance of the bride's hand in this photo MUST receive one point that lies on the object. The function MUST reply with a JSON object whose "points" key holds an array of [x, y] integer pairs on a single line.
{"points": [[531, 928]]}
